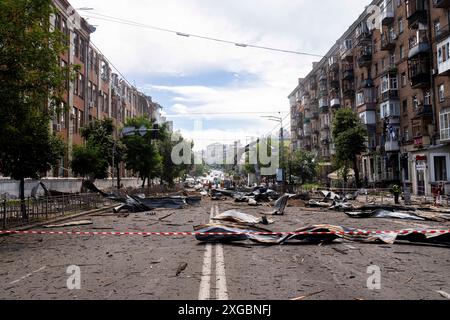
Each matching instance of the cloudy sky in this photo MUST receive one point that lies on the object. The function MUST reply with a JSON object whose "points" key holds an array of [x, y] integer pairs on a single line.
{"points": [[192, 78]]}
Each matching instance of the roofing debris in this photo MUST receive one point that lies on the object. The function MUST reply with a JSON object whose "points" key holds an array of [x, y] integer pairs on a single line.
{"points": [[70, 224], [242, 218], [325, 234]]}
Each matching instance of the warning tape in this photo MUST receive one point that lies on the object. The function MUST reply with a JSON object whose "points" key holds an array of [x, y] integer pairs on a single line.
{"points": [[115, 233]]}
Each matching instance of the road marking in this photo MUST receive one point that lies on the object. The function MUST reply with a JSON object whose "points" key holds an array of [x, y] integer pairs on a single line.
{"points": [[221, 279], [205, 282]]}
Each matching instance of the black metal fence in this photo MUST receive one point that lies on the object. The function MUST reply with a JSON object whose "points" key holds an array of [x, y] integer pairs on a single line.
{"points": [[43, 209]]}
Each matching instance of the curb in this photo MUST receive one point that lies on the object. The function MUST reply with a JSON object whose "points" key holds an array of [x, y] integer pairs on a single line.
{"points": [[61, 219]]}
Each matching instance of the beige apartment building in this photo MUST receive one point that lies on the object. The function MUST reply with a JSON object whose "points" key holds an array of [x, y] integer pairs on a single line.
{"points": [[392, 67], [96, 92]]}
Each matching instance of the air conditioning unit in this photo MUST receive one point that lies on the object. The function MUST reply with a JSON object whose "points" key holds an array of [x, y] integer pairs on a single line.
{"points": [[91, 105]]}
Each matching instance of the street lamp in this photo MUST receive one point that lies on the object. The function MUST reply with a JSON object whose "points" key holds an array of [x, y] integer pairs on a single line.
{"points": [[280, 121]]}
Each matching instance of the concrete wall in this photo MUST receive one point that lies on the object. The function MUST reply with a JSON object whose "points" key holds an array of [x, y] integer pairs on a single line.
{"points": [[70, 185]]}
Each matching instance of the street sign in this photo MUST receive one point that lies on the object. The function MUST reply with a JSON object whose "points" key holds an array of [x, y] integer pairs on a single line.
{"points": [[127, 131], [279, 175], [143, 131]]}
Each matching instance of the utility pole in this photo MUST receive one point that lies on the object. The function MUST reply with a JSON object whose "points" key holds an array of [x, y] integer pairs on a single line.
{"points": [[283, 175]]}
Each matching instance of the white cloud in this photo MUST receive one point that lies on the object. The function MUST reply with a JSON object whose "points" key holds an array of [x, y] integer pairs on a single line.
{"points": [[301, 25]]}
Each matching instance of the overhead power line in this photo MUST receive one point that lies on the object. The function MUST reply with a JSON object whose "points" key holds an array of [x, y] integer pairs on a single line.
{"points": [[187, 35]]}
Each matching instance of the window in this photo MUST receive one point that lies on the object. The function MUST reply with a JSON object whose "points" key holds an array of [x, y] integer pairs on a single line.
{"points": [[440, 168], [444, 124], [81, 86], [402, 52], [406, 133], [405, 106], [441, 93], [76, 45], [415, 102], [400, 25], [82, 50], [437, 27], [427, 98], [404, 79], [75, 120]]}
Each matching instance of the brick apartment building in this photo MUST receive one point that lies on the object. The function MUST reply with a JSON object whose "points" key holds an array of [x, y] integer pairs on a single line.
{"points": [[392, 67], [96, 92]]}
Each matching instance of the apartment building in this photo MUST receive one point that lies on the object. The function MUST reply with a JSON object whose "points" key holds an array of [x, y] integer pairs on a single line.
{"points": [[96, 92], [392, 67]]}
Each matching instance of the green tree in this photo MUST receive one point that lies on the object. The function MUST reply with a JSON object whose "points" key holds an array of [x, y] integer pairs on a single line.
{"points": [[141, 154], [168, 141], [100, 145], [350, 137], [303, 166], [31, 86]]}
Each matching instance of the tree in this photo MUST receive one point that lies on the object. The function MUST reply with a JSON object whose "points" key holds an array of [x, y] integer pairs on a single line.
{"points": [[170, 170], [93, 159], [350, 137], [303, 166], [141, 153], [31, 85]]}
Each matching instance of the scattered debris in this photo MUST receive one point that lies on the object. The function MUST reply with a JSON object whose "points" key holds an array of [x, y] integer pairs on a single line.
{"points": [[241, 218], [280, 205], [382, 213], [444, 294], [308, 295], [181, 268], [317, 234], [70, 224]]}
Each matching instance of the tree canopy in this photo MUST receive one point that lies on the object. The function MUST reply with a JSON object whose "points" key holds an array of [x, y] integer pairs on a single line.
{"points": [[350, 138], [32, 82]]}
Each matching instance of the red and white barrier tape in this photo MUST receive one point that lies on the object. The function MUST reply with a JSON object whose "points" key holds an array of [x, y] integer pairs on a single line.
{"points": [[115, 233]]}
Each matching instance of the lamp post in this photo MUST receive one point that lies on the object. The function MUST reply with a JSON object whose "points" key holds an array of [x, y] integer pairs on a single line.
{"points": [[280, 121]]}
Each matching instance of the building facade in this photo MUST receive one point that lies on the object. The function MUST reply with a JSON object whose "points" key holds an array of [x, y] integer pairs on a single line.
{"points": [[95, 92], [392, 67]]}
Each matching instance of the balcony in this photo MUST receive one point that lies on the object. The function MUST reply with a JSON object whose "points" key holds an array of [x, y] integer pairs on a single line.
{"points": [[325, 126], [387, 16], [363, 34], [392, 146], [366, 83], [335, 103], [421, 47], [441, 3], [442, 60], [348, 74], [419, 73], [346, 50], [365, 57], [442, 33], [416, 13], [423, 111], [422, 141], [349, 93], [388, 41], [334, 84], [390, 94]]}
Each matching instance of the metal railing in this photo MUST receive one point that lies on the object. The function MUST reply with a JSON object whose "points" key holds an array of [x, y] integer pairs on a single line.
{"points": [[47, 208]]}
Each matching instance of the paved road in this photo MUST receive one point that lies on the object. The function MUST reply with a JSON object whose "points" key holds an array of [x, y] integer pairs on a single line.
{"points": [[136, 267]]}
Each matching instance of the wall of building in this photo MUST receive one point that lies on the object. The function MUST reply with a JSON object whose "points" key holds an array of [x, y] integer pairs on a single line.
{"points": [[395, 75]]}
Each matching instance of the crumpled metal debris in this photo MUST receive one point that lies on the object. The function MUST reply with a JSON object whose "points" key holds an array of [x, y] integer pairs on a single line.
{"points": [[325, 234], [241, 218], [280, 205], [381, 213]]}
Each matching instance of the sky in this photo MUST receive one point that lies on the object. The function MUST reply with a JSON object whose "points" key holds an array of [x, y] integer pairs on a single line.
{"points": [[192, 78]]}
